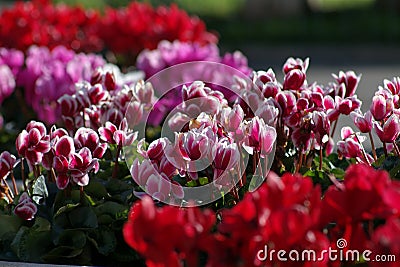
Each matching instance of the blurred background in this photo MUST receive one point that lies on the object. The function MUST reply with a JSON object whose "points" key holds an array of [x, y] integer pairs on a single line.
{"points": [[359, 35]]}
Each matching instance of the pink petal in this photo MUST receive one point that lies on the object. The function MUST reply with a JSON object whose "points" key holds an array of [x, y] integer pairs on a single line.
{"points": [[62, 181], [65, 146]]}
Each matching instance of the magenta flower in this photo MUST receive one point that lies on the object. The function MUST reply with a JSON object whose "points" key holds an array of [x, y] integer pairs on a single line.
{"points": [[294, 80], [144, 92], [104, 77], [390, 130], [268, 112], [81, 164], [321, 127], [55, 135], [227, 156], [7, 82], [351, 146], [62, 156], [199, 98], [7, 163], [86, 137], [97, 94], [25, 208], [287, 101], [48, 75], [298, 63], [261, 137], [362, 121], [349, 80], [156, 149], [121, 136], [380, 108], [199, 143], [155, 184], [33, 142], [231, 118], [393, 86]]}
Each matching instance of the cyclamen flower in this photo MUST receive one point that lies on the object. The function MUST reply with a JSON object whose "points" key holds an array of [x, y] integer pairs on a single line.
{"points": [[155, 181], [198, 144], [292, 64], [380, 107], [227, 156], [341, 205], [121, 136], [362, 121], [33, 142], [162, 23], [64, 148], [49, 75], [81, 164], [390, 130], [260, 137], [148, 227], [7, 163], [349, 80], [86, 137], [25, 208], [7, 82]]}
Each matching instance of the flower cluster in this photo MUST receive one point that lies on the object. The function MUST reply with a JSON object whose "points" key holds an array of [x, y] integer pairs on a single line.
{"points": [[382, 118], [147, 26], [209, 136], [109, 97], [11, 62], [170, 54], [285, 213], [303, 112], [41, 23], [123, 31], [48, 75]]}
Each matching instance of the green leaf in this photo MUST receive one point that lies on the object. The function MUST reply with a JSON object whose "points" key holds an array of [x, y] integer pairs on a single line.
{"points": [[116, 186], [105, 219], [65, 209], [62, 252], [41, 225], [191, 183], [30, 245], [339, 173], [39, 190], [9, 224], [97, 190], [203, 180], [71, 238], [83, 217], [104, 241], [111, 208]]}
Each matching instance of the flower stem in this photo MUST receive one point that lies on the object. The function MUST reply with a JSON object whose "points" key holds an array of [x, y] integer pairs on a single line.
{"points": [[334, 127], [299, 163], [396, 148], [362, 150], [320, 159], [8, 190], [385, 150], [372, 146], [81, 194], [14, 183], [23, 174], [115, 170]]}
